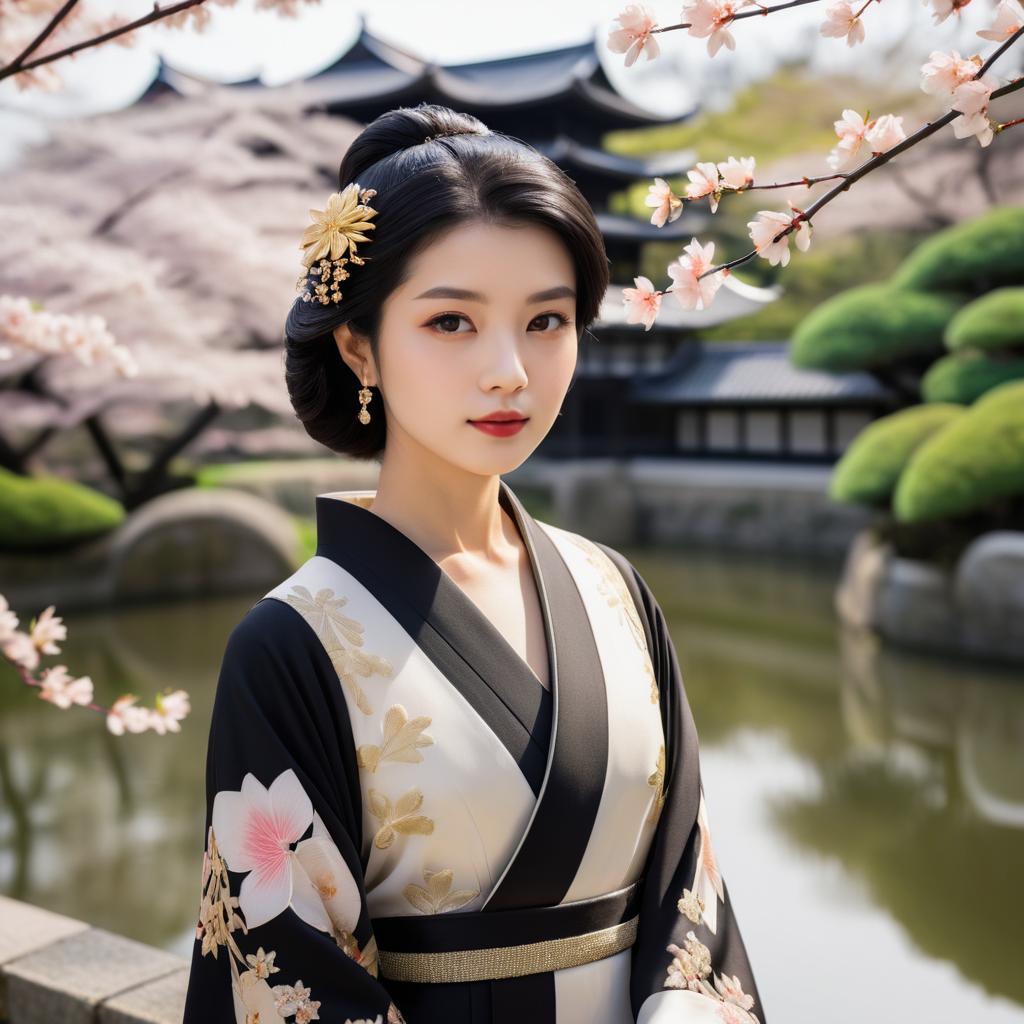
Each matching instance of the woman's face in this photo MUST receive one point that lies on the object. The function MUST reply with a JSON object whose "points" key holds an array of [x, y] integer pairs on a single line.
{"points": [[485, 322]]}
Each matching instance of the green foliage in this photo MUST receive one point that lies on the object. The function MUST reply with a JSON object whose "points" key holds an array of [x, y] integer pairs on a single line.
{"points": [[869, 469], [47, 510], [973, 258], [870, 325], [973, 461], [994, 321], [965, 376], [1008, 395]]}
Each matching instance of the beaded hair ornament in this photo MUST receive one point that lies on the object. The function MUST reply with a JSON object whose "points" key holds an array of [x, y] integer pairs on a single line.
{"points": [[334, 232]]}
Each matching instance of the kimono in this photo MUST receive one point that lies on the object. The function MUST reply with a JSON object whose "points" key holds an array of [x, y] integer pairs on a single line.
{"points": [[404, 824]]}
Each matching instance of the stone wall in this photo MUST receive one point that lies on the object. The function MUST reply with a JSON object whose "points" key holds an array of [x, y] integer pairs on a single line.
{"points": [[56, 969]]}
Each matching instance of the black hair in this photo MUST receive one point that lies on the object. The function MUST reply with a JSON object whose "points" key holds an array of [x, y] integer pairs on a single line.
{"points": [[433, 168]]}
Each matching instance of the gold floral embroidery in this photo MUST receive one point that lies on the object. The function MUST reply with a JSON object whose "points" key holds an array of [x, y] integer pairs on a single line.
{"points": [[398, 818], [342, 637], [402, 737], [613, 588], [692, 905], [657, 779], [217, 916], [690, 969], [437, 897]]}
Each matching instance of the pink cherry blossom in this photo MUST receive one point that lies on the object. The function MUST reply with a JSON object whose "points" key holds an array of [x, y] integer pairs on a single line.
{"points": [[690, 292], [972, 99], [18, 647], [668, 206], [171, 708], [978, 125], [885, 132], [58, 687], [850, 129], [642, 302], [942, 9], [48, 628], [841, 21], [710, 18], [635, 35], [125, 716], [768, 224], [704, 182], [735, 173], [944, 72], [1009, 19], [8, 620]]}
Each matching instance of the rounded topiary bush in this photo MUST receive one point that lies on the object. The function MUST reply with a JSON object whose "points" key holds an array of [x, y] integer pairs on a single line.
{"points": [[971, 258], [1003, 396], [965, 466], [965, 376], [993, 322], [869, 469], [46, 510], [871, 325]]}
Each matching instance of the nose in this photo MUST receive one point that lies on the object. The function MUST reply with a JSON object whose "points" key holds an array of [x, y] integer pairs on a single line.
{"points": [[503, 363]]}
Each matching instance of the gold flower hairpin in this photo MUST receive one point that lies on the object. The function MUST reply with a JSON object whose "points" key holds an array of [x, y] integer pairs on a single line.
{"points": [[334, 232]]}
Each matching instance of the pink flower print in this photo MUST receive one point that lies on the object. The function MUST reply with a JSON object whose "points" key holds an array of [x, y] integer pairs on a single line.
{"points": [[255, 828], [707, 880]]}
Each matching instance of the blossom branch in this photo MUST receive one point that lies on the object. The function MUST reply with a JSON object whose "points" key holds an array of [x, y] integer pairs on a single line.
{"points": [[761, 12], [158, 13], [56, 685], [58, 17]]}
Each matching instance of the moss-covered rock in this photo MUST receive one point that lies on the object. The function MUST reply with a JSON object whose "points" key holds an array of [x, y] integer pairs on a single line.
{"points": [[871, 325], [990, 323], [972, 258], [965, 376], [965, 466], [44, 510], [868, 470]]}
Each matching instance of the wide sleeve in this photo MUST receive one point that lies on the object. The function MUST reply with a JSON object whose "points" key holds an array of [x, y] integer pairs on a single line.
{"points": [[283, 930], [689, 963]]}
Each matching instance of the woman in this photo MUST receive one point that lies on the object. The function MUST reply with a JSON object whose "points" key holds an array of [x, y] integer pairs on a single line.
{"points": [[452, 774]]}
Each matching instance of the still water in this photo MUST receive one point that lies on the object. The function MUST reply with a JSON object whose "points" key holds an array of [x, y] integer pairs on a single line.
{"points": [[867, 806]]}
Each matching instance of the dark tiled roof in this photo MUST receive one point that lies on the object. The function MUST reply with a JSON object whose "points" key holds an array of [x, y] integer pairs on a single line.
{"points": [[761, 371]]}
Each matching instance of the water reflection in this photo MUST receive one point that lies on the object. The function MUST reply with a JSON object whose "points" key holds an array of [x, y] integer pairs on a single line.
{"points": [[868, 805]]}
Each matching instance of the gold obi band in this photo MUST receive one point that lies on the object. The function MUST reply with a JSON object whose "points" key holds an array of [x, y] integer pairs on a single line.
{"points": [[428, 948]]}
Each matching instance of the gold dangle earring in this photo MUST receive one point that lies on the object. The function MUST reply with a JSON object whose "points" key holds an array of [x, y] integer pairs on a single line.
{"points": [[365, 394]]}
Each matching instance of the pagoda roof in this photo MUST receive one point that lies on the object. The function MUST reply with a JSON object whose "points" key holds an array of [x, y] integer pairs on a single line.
{"points": [[376, 73], [568, 153], [620, 227], [750, 373]]}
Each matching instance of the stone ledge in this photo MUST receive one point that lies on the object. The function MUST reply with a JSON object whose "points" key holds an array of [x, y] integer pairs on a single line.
{"points": [[55, 968]]}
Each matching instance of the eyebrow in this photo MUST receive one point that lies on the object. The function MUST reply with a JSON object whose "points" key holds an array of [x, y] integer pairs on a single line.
{"points": [[448, 292]]}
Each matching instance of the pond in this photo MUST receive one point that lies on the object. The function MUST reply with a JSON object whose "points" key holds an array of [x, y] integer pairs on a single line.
{"points": [[867, 805]]}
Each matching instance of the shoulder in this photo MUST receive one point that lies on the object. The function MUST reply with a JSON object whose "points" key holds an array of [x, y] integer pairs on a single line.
{"points": [[270, 645]]}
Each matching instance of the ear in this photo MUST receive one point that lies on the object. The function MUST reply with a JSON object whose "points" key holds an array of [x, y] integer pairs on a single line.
{"points": [[354, 348]]}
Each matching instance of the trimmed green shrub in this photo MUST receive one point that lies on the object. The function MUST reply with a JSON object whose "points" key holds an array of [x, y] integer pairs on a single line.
{"points": [[869, 468], [41, 510], [994, 321], [973, 258], [965, 376], [970, 463], [871, 325], [1008, 395]]}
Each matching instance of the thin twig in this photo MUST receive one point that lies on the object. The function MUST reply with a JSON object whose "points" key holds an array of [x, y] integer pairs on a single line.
{"points": [[762, 11], [58, 17], [157, 14]]}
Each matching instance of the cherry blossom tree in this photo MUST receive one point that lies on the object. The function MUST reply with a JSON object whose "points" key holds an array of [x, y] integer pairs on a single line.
{"points": [[964, 86]]}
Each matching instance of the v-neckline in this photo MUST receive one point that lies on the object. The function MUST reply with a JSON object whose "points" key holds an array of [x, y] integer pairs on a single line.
{"points": [[448, 589]]}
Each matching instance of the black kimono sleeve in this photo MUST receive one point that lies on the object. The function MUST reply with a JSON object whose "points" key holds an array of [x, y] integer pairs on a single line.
{"points": [[689, 962], [283, 929]]}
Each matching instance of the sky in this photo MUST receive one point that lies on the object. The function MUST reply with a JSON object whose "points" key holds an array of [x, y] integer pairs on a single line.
{"points": [[241, 43]]}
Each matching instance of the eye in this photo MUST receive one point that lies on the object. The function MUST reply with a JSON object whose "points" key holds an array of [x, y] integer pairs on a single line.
{"points": [[561, 319], [446, 317]]}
